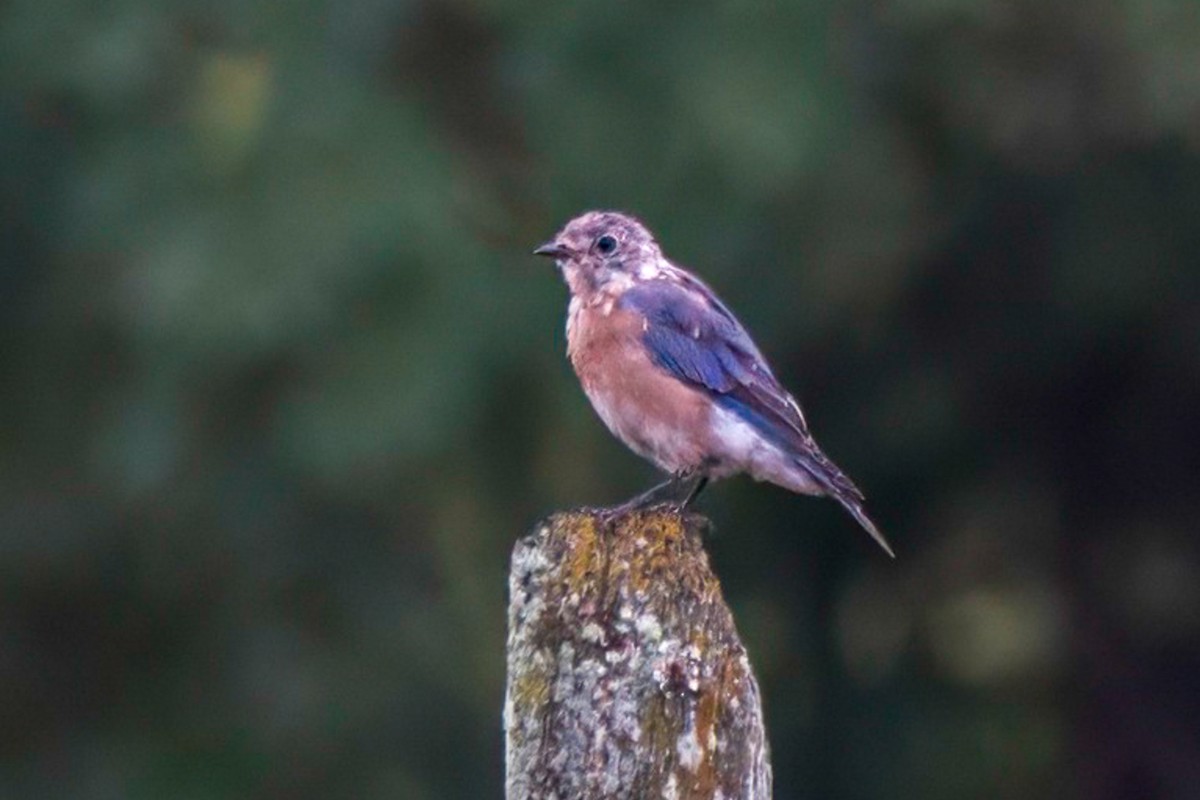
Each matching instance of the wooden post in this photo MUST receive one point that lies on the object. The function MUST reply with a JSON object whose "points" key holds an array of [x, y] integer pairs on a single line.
{"points": [[626, 677]]}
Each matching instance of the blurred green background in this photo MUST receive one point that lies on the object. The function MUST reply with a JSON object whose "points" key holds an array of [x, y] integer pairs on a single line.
{"points": [[282, 383]]}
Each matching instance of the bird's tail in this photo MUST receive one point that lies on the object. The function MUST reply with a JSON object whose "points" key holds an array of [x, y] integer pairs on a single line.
{"points": [[837, 485], [855, 507]]}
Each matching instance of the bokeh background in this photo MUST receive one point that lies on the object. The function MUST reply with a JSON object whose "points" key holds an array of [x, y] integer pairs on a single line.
{"points": [[282, 383]]}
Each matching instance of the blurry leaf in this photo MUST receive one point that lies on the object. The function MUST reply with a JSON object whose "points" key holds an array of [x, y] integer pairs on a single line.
{"points": [[230, 106]]}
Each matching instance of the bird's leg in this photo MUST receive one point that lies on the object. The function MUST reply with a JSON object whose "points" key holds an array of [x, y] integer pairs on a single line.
{"points": [[657, 494], [697, 488], [654, 494]]}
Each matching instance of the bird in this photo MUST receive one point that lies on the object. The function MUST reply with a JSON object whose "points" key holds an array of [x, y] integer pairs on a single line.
{"points": [[675, 376]]}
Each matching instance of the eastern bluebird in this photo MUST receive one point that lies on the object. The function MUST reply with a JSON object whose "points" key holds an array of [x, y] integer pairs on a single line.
{"points": [[673, 373]]}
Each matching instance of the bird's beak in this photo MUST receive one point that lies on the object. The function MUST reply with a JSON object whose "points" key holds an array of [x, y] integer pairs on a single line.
{"points": [[552, 250]]}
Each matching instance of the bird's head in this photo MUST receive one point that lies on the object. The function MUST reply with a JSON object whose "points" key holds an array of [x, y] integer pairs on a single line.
{"points": [[603, 250]]}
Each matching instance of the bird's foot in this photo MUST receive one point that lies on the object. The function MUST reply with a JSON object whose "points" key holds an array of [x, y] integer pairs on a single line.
{"points": [[663, 497]]}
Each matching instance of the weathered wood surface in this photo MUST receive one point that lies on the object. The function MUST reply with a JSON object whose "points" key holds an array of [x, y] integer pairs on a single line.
{"points": [[626, 677]]}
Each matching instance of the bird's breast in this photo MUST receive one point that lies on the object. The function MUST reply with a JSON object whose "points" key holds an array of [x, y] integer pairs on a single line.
{"points": [[657, 416]]}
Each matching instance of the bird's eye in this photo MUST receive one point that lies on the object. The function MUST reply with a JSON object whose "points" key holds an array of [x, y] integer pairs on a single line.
{"points": [[606, 244]]}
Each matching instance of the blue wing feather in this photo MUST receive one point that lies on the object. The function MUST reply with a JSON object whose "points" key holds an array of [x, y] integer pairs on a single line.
{"points": [[694, 337], [690, 334], [688, 358]]}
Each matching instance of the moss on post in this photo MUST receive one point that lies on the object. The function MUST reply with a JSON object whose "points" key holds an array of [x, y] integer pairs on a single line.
{"points": [[626, 677]]}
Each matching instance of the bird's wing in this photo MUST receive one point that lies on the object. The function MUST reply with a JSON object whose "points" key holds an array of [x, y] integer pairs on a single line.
{"points": [[692, 335]]}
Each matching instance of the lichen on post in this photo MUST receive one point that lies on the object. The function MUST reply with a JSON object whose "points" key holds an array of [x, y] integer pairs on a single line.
{"points": [[626, 677]]}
